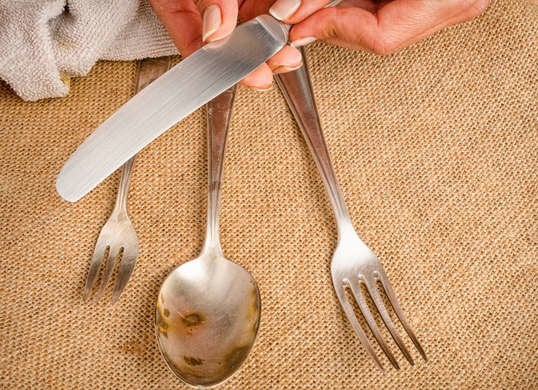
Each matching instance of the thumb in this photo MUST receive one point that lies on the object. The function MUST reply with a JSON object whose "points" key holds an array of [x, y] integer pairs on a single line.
{"points": [[219, 18], [353, 28]]}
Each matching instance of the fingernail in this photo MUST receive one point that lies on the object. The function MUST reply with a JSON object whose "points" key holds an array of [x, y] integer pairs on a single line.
{"points": [[261, 89], [286, 69], [303, 41], [283, 9], [212, 21]]}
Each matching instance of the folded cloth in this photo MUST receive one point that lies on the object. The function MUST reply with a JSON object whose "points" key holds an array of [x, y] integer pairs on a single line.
{"points": [[42, 41]]}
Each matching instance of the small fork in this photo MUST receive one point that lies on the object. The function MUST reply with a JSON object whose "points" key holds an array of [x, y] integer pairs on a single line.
{"points": [[353, 263], [118, 239]]}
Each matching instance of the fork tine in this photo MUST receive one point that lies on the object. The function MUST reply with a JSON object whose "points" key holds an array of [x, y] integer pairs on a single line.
{"points": [[399, 312], [374, 293], [359, 297], [113, 253], [126, 267], [97, 258], [350, 314]]}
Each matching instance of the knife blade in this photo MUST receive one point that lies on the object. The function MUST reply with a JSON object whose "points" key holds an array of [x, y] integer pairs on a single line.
{"points": [[189, 85], [192, 83]]}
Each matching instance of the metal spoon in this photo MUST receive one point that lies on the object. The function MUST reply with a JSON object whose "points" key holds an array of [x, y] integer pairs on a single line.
{"points": [[208, 309]]}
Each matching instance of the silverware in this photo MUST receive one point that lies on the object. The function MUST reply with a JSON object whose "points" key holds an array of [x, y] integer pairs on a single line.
{"points": [[353, 263], [117, 241], [193, 82], [208, 309]]}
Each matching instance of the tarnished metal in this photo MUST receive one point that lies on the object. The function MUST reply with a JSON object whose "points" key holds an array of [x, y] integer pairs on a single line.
{"points": [[117, 241], [353, 263], [208, 309]]}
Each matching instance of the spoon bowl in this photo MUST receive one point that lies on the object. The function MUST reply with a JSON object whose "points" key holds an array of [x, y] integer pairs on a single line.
{"points": [[207, 319]]}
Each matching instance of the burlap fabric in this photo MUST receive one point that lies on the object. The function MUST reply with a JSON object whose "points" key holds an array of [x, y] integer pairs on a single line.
{"points": [[436, 151]]}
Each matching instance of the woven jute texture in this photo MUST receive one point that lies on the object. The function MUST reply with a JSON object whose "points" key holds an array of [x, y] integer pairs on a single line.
{"points": [[436, 151]]}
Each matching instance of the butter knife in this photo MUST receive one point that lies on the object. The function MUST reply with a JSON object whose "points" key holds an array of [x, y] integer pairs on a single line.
{"points": [[189, 85]]}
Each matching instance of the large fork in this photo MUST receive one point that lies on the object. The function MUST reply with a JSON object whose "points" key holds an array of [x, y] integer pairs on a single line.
{"points": [[353, 263], [117, 239]]}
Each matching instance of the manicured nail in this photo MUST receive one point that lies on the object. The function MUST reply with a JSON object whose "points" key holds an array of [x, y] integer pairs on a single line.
{"points": [[212, 21], [303, 41], [262, 89], [283, 9], [286, 69]]}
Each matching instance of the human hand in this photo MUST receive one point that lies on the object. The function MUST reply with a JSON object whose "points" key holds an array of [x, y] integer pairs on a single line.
{"points": [[381, 26], [190, 23]]}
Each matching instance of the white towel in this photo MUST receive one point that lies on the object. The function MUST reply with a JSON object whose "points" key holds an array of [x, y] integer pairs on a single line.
{"points": [[41, 41]]}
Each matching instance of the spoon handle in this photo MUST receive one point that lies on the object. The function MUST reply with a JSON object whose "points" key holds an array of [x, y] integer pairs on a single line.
{"points": [[297, 89], [218, 120]]}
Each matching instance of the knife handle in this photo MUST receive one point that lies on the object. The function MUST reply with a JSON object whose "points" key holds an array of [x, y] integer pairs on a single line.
{"points": [[333, 3]]}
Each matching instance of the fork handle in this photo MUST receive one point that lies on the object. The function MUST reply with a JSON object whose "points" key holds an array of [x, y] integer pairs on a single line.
{"points": [[123, 188], [148, 70], [297, 89]]}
